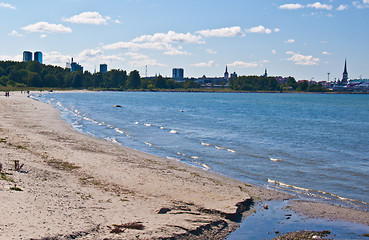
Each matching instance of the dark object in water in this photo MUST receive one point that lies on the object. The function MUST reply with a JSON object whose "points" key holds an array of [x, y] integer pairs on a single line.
{"points": [[117, 106]]}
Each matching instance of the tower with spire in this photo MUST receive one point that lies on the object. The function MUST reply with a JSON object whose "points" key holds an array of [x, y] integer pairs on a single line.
{"points": [[226, 75], [345, 73]]}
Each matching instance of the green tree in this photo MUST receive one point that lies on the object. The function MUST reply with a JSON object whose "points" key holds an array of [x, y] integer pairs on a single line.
{"points": [[134, 80]]}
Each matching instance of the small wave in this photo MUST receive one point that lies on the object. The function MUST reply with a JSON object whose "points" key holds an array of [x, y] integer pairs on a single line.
{"points": [[288, 185], [173, 158], [162, 127], [206, 167], [195, 157], [220, 148], [137, 123], [275, 159], [232, 151], [113, 140], [205, 144], [173, 131], [119, 131], [149, 144], [147, 125], [182, 154]]}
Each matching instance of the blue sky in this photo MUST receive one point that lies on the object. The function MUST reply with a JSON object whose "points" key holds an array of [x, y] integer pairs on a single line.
{"points": [[300, 38]]}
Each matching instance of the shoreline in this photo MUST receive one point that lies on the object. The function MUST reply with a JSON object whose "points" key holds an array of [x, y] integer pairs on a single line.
{"points": [[74, 184]]}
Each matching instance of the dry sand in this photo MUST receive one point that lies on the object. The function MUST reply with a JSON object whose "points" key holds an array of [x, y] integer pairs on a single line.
{"points": [[76, 186]]}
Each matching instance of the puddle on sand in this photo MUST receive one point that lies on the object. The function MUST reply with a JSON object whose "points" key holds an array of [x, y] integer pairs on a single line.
{"points": [[263, 224]]}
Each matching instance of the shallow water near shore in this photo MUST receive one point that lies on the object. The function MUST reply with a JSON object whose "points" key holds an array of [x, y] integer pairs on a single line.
{"points": [[315, 146], [264, 224]]}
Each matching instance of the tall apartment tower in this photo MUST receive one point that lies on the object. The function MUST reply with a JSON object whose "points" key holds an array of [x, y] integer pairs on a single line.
{"points": [[178, 73], [103, 68], [37, 56], [27, 56], [345, 73]]}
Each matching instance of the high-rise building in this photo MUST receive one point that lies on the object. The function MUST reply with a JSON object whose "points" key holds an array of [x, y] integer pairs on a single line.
{"points": [[178, 73], [37, 56], [103, 68], [75, 66], [345, 73], [27, 56]]}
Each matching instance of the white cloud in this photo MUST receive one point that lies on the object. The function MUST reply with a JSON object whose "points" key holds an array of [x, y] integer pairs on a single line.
{"points": [[291, 6], [147, 62], [170, 37], [43, 36], [274, 51], [277, 30], [211, 51], [175, 52], [137, 46], [204, 64], [359, 5], [222, 32], [290, 41], [15, 34], [260, 29], [140, 60], [56, 58], [300, 59], [47, 27], [319, 5], [326, 53], [159, 41], [7, 5], [241, 64], [90, 53], [342, 7], [87, 18]]}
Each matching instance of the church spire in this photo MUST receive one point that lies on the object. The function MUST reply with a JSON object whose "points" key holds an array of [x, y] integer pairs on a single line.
{"points": [[345, 73], [226, 75]]}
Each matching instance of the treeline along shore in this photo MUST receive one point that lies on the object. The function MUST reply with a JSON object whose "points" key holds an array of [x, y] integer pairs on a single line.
{"points": [[32, 74]]}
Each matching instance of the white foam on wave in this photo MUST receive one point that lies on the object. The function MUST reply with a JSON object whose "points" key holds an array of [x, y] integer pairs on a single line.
{"points": [[119, 131], [173, 158], [149, 144], [275, 159], [232, 151], [173, 131], [206, 167], [182, 154], [195, 157], [220, 148], [288, 185], [162, 127], [137, 123], [147, 125], [205, 144]]}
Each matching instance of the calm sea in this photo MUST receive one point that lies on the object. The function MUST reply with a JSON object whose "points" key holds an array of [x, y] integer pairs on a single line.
{"points": [[314, 145]]}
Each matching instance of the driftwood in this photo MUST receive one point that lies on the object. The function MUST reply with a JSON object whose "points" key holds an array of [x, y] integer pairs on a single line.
{"points": [[1, 167], [17, 166]]}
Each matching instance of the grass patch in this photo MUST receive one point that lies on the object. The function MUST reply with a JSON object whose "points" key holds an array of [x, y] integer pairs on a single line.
{"points": [[15, 188], [3, 176], [62, 165]]}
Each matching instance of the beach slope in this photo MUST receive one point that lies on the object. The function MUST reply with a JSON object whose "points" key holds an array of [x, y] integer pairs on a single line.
{"points": [[58, 183]]}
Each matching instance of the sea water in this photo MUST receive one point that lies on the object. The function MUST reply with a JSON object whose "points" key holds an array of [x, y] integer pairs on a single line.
{"points": [[313, 145]]}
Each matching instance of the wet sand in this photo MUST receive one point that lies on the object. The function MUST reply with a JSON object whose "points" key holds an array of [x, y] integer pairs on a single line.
{"points": [[76, 186]]}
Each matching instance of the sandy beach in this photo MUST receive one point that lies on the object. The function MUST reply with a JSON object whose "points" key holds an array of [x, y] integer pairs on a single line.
{"points": [[69, 185]]}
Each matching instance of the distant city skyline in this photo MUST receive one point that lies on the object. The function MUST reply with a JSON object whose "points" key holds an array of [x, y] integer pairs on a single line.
{"points": [[303, 39]]}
